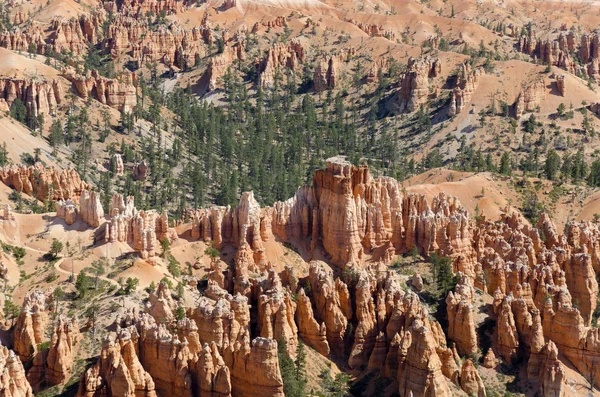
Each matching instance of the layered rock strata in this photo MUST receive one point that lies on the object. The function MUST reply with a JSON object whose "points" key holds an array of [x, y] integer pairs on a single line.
{"points": [[43, 183], [414, 89]]}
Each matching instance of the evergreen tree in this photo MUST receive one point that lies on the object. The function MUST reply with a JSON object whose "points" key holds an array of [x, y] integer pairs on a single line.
{"points": [[552, 164], [18, 111], [56, 136], [294, 381], [505, 167]]}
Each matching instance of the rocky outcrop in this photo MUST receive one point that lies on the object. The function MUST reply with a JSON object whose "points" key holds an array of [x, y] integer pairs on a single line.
{"points": [[536, 344], [43, 183], [141, 229], [332, 306], [71, 36], [59, 363], [31, 325], [137, 8], [281, 55], [20, 41], [490, 361], [255, 369], [161, 305], [419, 366], [467, 82], [461, 323], [561, 84], [552, 380], [508, 338], [39, 97], [530, 97], [470, 381], [374, 30], [556, 52], [12, 375], [213, 375], [118, 371], [417, 282], [116, 164], [414, 89], [140, 171], [118, 93], [219, 65], [90, 208], [309, 330], [346, 213], [325, 73], [66, 210], [276, 312], [582, 284]]}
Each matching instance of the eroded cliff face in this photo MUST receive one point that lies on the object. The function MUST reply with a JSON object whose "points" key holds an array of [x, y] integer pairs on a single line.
{"points": [[219, 65], [118, 371], [227, 343], [12, 375], [61, 355], [40, 97], [562, 49], [280, 56], [349, 216], [43, 183], [90, 208], [141, 229], [530, 97], [414, 89], [30, 327], [325, 73], [557, 51], [466, 85], [118, 93], [461, 324]]}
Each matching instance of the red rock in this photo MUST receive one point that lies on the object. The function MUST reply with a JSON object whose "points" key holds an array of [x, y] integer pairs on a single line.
{"points": [[90, 209], [530, 97], [66, 210], [466, 84], [414, 89], [325, 73], [118, 371], [328, 308], [12, 375], [470, 381], [280, 56], [309, 330], [461, 323], [489, 361], [161, 305], [420, 368], [508, 339], [43, 183], [61, 356], [118, 93], [32, 322], [552, 381], [39, 97]]}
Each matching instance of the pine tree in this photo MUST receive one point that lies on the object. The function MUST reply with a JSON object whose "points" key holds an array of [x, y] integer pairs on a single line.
{"points": [[294, 381], [505, 167], [552, 164]]}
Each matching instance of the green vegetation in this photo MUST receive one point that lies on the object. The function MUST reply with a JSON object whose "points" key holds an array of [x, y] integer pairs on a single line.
{"points": [[445, 280], [55, 248], [334, 387], [293, 372], [11, 311]]}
